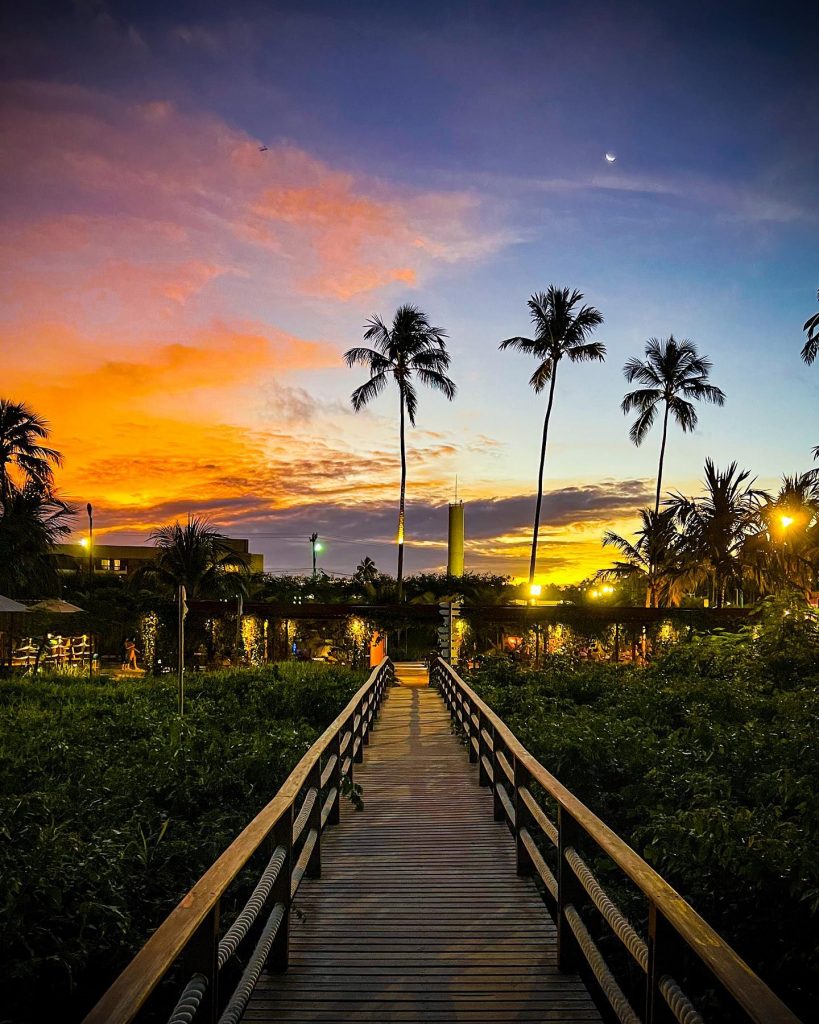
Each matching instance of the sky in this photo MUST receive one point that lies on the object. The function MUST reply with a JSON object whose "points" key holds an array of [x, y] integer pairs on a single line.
{"points": [[201, 204]]}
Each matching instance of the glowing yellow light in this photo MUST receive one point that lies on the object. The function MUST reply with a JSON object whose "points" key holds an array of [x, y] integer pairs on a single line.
{"points": [[785, 521], [84, 542], [608, 589], [595, 593], [535, 590]]}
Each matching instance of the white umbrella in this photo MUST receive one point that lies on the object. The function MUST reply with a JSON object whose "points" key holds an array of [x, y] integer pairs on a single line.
{"points": [[54, 604], [8, 606]]}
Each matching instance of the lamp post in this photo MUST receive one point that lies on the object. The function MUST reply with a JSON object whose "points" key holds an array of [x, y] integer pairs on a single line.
{"points": [[90, 510], [316, 546]]}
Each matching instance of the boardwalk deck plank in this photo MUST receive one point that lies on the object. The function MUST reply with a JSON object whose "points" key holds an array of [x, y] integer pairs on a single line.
{"points": [[419, 914]]}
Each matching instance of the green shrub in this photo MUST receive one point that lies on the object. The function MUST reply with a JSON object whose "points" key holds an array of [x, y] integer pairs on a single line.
{"points": [[111, 807], [707, 762]]}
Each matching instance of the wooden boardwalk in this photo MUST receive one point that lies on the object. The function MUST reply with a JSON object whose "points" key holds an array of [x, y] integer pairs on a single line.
{"points": [[419, 914]]}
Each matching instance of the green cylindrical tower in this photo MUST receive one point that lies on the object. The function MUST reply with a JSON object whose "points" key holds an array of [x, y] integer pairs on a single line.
{"points": [[455, 559]]}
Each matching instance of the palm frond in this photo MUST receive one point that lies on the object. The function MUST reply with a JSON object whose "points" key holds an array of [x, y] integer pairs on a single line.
{"points": [[437, 381], [587, 352], [641, 426], [526, 345], [369, 390]]}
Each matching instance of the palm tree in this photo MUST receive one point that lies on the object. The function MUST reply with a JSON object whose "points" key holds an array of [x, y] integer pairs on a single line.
{"points": [[32, 521], [672, 373], [21, 431], [366, 571], [199, 558], [560, 331], [655, 557], [717, 525], [811, 348], [408, 350], [784, 550]]}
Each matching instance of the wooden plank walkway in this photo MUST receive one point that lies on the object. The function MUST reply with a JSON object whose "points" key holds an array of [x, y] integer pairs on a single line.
{"points": [[419, 914]]}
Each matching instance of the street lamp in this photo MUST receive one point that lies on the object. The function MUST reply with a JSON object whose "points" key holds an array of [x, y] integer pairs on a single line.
{"points": [[89, 509], [316, 546]]}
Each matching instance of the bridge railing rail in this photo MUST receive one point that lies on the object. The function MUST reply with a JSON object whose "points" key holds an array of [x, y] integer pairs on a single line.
{"points": [[221, 967], [516, 779]]}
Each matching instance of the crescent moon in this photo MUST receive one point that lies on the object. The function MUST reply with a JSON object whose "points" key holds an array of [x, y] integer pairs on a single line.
{"points": [[610, 158]]}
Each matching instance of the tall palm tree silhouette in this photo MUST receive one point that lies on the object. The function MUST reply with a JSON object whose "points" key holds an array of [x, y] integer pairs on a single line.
{"points": [[673, 374], [560, 331], [411, 349], [811, 348], [199, 557], [21, 431]]}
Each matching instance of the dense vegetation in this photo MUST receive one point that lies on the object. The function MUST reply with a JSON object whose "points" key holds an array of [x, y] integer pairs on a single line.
{"points": [[707, 762], [111, 807]]}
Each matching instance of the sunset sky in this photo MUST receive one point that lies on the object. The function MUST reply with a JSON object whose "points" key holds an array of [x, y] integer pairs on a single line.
{"points": [[176, 301]]}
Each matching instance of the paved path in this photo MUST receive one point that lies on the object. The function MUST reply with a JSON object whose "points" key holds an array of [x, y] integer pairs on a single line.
{"points": [[419, 914]]}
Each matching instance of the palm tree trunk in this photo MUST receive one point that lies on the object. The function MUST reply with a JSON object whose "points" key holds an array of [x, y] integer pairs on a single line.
{"points": [[662, 457], [401, 508], [536, 527]]}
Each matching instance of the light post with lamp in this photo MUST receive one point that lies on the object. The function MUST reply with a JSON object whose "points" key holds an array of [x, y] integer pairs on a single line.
{"points": [[90, 510], [316, 546]]}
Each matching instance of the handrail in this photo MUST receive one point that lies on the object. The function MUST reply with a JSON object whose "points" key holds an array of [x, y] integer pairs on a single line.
{"points": [[671, 918], [191, 930]]}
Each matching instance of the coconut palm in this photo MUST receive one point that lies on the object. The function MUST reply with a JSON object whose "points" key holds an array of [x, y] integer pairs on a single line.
{"points": [[561, 330], [673, 375], [21, 431], [411, 349], [656, 558], [366, 571], [811, 347], [32, 521], [717, 525], [785, 550], [199, 558]]}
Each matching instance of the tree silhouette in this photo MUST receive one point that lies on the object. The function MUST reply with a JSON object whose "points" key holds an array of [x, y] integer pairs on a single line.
{"points": [[411, 349], [717, 525], [655, 556], [673, 374], [560, 332], [32, 521], [811, 347], [366, 571], [21, 431], [197, 557]]}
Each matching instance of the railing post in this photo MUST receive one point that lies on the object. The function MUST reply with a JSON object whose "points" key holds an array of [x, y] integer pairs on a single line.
{"points": [[473, 733], [358, 757], [335, 781], [313, 868], [498, 776], [201, 957], [279, 958], [661, 960], [523, 820], [366, 718], [483, 751], [569, 890]]}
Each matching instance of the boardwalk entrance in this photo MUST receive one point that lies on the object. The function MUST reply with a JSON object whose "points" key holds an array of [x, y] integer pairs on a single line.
{"points": [[421, 907], [419, 914]]}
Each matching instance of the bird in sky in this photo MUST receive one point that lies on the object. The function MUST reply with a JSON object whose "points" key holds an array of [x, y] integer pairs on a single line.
{"points": [[263, 149]]}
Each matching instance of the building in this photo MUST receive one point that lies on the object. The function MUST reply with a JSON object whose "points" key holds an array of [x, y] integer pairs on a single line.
{"points": [[121, 559]]}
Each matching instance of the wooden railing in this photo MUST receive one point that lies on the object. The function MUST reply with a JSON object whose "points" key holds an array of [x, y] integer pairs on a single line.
{"points": [[289, 831], [515, 778]]}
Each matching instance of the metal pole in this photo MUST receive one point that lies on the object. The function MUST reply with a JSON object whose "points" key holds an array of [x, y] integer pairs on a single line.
{"points": [[313, 539], [183, 610], [90, 510]]}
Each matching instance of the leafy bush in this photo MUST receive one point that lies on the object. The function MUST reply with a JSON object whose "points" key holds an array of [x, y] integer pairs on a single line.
{"points": [[111, 807], [706, 761]]}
